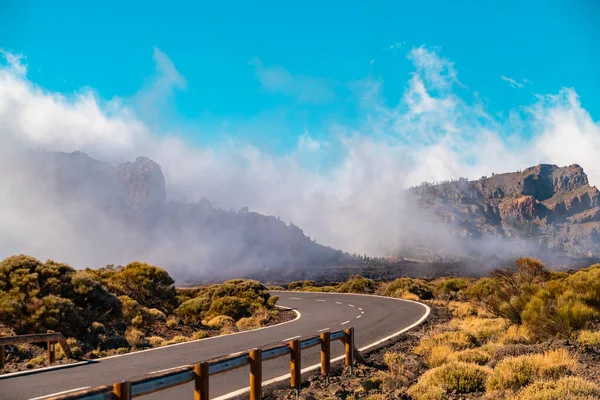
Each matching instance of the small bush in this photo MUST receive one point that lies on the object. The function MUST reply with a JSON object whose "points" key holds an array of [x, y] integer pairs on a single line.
{"points": [[513, 373], [438, 355], [248, 323], [400, 286], [74, 345], [516, 334], [473, 356], [35, 362], [455, 340], [155, 341], [401, 371], [193, 310], [234, 307], [199, 335], [482, 328], [589, 338], [172, 322], [176, 339], [462, 310], [454, 377], [449, 288], [569, 387], [358, 284], [135, 338], [219, 322]]}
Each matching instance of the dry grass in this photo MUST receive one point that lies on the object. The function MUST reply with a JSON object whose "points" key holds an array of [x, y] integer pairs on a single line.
{"points": [[155, 341], [135, 338], [473, 356], [589, 338], [172, 321], [199, 335], [484, 329], [248, 323], [438, 355], [567, 388], [456, 340], [454, 377], [516, 334], [219, 322], [177, 339], [513, 373]]}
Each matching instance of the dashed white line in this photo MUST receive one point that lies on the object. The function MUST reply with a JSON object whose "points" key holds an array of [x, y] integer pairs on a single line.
{"points": [[360, 308], [321, 300], [351, 305], [292, 338], [324, 329], [338, 302], [362, 312], [358, 316], [344, 323], [63, 392], [164, 370], [295, 298]]}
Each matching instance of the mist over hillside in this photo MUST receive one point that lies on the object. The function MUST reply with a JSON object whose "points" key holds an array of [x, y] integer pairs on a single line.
{"points": [[71, 207]]}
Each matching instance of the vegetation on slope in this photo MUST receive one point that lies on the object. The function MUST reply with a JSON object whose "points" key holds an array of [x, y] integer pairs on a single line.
{"points": [[117, 309]]}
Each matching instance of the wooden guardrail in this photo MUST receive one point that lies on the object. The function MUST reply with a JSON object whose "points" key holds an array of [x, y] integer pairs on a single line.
{"points": [[201, 372], [50, 338]]}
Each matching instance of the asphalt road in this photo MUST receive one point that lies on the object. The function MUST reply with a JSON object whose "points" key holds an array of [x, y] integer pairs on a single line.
{"points": [[373, 318]]}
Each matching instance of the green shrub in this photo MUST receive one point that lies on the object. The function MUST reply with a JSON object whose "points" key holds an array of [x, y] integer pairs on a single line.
{"points": [[454, 377], [449, 288], [400, 286], [199, 335], [193, 310], [358, 284], [219, 321], [172, 322], [135, 338], [234, 307], [472, 356]]}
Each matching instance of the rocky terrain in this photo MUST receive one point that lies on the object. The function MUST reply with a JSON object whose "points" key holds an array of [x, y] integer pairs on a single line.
{"points": [[546, 208]]}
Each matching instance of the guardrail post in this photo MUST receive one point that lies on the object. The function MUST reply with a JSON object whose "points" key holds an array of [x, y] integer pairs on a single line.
{"points": [[349, 342], [51, 352], [122, 390], [201, 381], [66, 348], [325, 354], [1, 357], [255, 356], [295, 366]]}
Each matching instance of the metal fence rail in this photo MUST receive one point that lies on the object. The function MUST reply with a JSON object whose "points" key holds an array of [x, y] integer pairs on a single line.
{"points": [[201, 372], [50, 338]]}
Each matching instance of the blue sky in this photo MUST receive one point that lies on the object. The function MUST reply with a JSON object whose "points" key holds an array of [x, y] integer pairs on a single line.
{"points": [[320, 112], [266, 72]]}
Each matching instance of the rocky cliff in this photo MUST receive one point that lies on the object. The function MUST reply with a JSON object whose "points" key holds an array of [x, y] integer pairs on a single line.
{"points": [[553, 207]]}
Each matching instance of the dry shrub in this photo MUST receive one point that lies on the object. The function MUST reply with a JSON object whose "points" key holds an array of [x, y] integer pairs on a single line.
{"points": [[438, 355], [513, 373], [567, 388], [75, 346], [219, 322], [461, 309], [401, 371], [499, 352], [483, 329], [155, 341], [35, 362], [172, 322], [135, 338], [589, 338], [248, 323], [516, 334], [456, 340], [474, 356], [176, 339], [454, 377], [410, 296]]}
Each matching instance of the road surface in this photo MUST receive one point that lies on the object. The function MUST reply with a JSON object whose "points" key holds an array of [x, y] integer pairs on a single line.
{"points": [[373, 318]]}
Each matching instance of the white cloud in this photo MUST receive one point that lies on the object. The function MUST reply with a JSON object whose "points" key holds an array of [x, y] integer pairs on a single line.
{"points": [[303, 88], [513, 83], [357, 205]]}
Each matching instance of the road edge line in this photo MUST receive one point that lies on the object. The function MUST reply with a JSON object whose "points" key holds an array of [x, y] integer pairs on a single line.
{"points": [[44, 369], [280, 378]]}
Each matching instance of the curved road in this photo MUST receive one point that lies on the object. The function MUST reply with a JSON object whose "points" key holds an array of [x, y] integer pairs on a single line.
{"points": [[374, 319]]}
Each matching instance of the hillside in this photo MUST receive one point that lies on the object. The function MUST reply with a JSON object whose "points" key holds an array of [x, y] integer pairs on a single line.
{"points": [[554, 209], [71, 206]]}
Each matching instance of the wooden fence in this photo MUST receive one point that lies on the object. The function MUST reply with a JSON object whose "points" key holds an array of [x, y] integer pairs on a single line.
{"points": [[50, 338], [201, 372]]}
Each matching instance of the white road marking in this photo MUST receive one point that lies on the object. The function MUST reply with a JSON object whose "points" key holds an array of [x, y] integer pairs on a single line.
{"points": [[351, 305], [344, 323], [362, 312], [63, 392], [321, 300], [324, 329], [358, 316], [337, 302], [165, 370], [360, 308], [292, 338], [316, 367], [295, 298]]}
